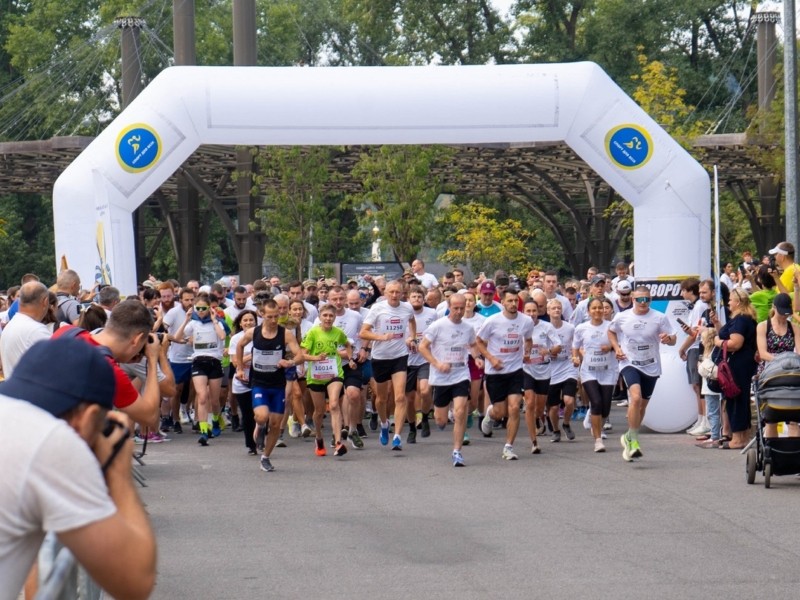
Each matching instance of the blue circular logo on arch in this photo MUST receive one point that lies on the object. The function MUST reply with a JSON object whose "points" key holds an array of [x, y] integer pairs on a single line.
{"points": [[629, 146], [138, 148]]}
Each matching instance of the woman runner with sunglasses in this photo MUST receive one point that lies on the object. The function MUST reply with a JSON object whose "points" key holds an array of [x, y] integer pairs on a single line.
{"points": [[206, 334], [635, 335]]}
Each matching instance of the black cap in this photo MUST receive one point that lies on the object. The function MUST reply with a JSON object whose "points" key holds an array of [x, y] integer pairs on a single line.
{"points": [[58, 375], [782, 304]]}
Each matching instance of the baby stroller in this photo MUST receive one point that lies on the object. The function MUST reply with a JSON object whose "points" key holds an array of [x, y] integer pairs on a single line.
{"points": [[777, 400]]}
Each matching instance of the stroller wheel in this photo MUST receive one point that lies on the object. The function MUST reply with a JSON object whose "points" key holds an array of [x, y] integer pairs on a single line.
{"points": [[751, 465], [767, 474]]}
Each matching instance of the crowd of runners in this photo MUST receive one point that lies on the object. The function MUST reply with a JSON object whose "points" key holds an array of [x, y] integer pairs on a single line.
{"points": [[273, 360]]}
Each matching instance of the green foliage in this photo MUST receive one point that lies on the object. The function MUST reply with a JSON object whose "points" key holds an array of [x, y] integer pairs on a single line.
{"points": [[300, 218], [28, 243], [483, 241], [400, 187]]}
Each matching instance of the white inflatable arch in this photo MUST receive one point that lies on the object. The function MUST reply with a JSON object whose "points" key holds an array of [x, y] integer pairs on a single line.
{"points": [[185, 107]]}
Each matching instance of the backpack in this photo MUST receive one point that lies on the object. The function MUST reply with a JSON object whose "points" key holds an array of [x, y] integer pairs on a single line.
{"points": [[61, 315], [75, 332], [727, 383]]}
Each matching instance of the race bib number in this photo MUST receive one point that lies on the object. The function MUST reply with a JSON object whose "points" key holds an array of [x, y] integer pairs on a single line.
{"points": [[536, 356], [598, 361], [395, 327], [512, 342], [204, 340], [266, 361], [641, 355], [455, 356], [323, 370]]}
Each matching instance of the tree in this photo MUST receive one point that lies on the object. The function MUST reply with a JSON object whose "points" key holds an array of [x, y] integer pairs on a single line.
{"points": [[400, 186], [484, 242]]}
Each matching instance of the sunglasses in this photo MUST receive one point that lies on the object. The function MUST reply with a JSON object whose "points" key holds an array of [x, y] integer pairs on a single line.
{"points": [[643, 300], [200, 308]]}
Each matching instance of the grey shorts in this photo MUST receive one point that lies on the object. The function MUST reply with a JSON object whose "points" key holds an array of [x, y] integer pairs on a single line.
{"points": [[692, 357]]}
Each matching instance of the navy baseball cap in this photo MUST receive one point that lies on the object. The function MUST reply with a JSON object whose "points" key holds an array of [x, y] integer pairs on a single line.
{"points": [[58, 375]]}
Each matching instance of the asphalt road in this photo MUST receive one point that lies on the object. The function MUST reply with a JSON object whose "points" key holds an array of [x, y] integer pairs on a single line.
{"points": [[568, 523]]}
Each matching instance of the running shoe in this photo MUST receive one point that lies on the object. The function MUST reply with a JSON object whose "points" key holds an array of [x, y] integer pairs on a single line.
{"points": [[281, 443], [384, 436], [138, 440], [426, 429], [555, 436], [568, 430], [341, 449], [418, 418], [166, 423], [623, 403], [412, 435], [343, 433], [535, 448], [305, 430], [486, 426], [266, 465], [216, 430], [361, 431], [355, 440], [458, 460], [508, 453], [320, 449], [626, 448], [470, 420], [541, 428], [599, 446], [294, 428], [397, 443], [587, 420], [154, 438], [203, 439], [373, 422], [184, 416], [607, 426], [466, 440], [636, 451], [177, 427]]}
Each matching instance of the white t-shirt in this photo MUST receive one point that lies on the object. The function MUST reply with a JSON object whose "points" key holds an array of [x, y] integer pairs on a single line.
{"points": [[450, 343], [423, 319], [544, 337], [350, 322], [51, 482], [476, 321], [561, 367], [390, 319], [427, 280], [21, 333], [695, 319], [177, 353], [205, 341], [505, 339], [596, 365], [638, 339], [239, 386], [231, 311]]}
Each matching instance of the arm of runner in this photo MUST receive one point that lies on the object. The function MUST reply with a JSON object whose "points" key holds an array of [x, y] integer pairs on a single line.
{"points": [[246, 339], [368, 335], [493, 360], [612, 337], [294, 348]]}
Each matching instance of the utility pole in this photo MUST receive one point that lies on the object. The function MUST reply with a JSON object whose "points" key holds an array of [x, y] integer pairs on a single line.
{"points": [[790, 119]]}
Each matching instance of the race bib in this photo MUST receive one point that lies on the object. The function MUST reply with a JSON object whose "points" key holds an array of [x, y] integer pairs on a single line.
{"points": [[536, 357], [598, 361], [511, 344], [641, 355], [456, 356], [323, 370], [266, 361], [204, 340], [396, 327]]}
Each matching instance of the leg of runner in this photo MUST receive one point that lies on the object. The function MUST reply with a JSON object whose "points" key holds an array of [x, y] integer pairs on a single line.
{"points": [[200, 383]]}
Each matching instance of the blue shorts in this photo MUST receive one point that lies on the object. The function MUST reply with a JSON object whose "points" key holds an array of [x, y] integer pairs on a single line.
{"points": [[181, 371], [273, 398], [366, 371], [634, 376], [291, 373]]}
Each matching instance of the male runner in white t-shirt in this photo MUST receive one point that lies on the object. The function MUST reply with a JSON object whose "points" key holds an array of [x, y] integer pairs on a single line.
{"points": [[391, 327], [635, 335], [505, 342]]}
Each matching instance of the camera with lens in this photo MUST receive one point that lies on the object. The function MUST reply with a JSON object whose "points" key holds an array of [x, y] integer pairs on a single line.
{"points": [[772, 263], [157, 336], [110, 425]]}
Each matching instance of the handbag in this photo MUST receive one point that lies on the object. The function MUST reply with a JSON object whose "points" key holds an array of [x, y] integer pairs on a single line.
{"points": [[707, 367], [728, 385]]}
